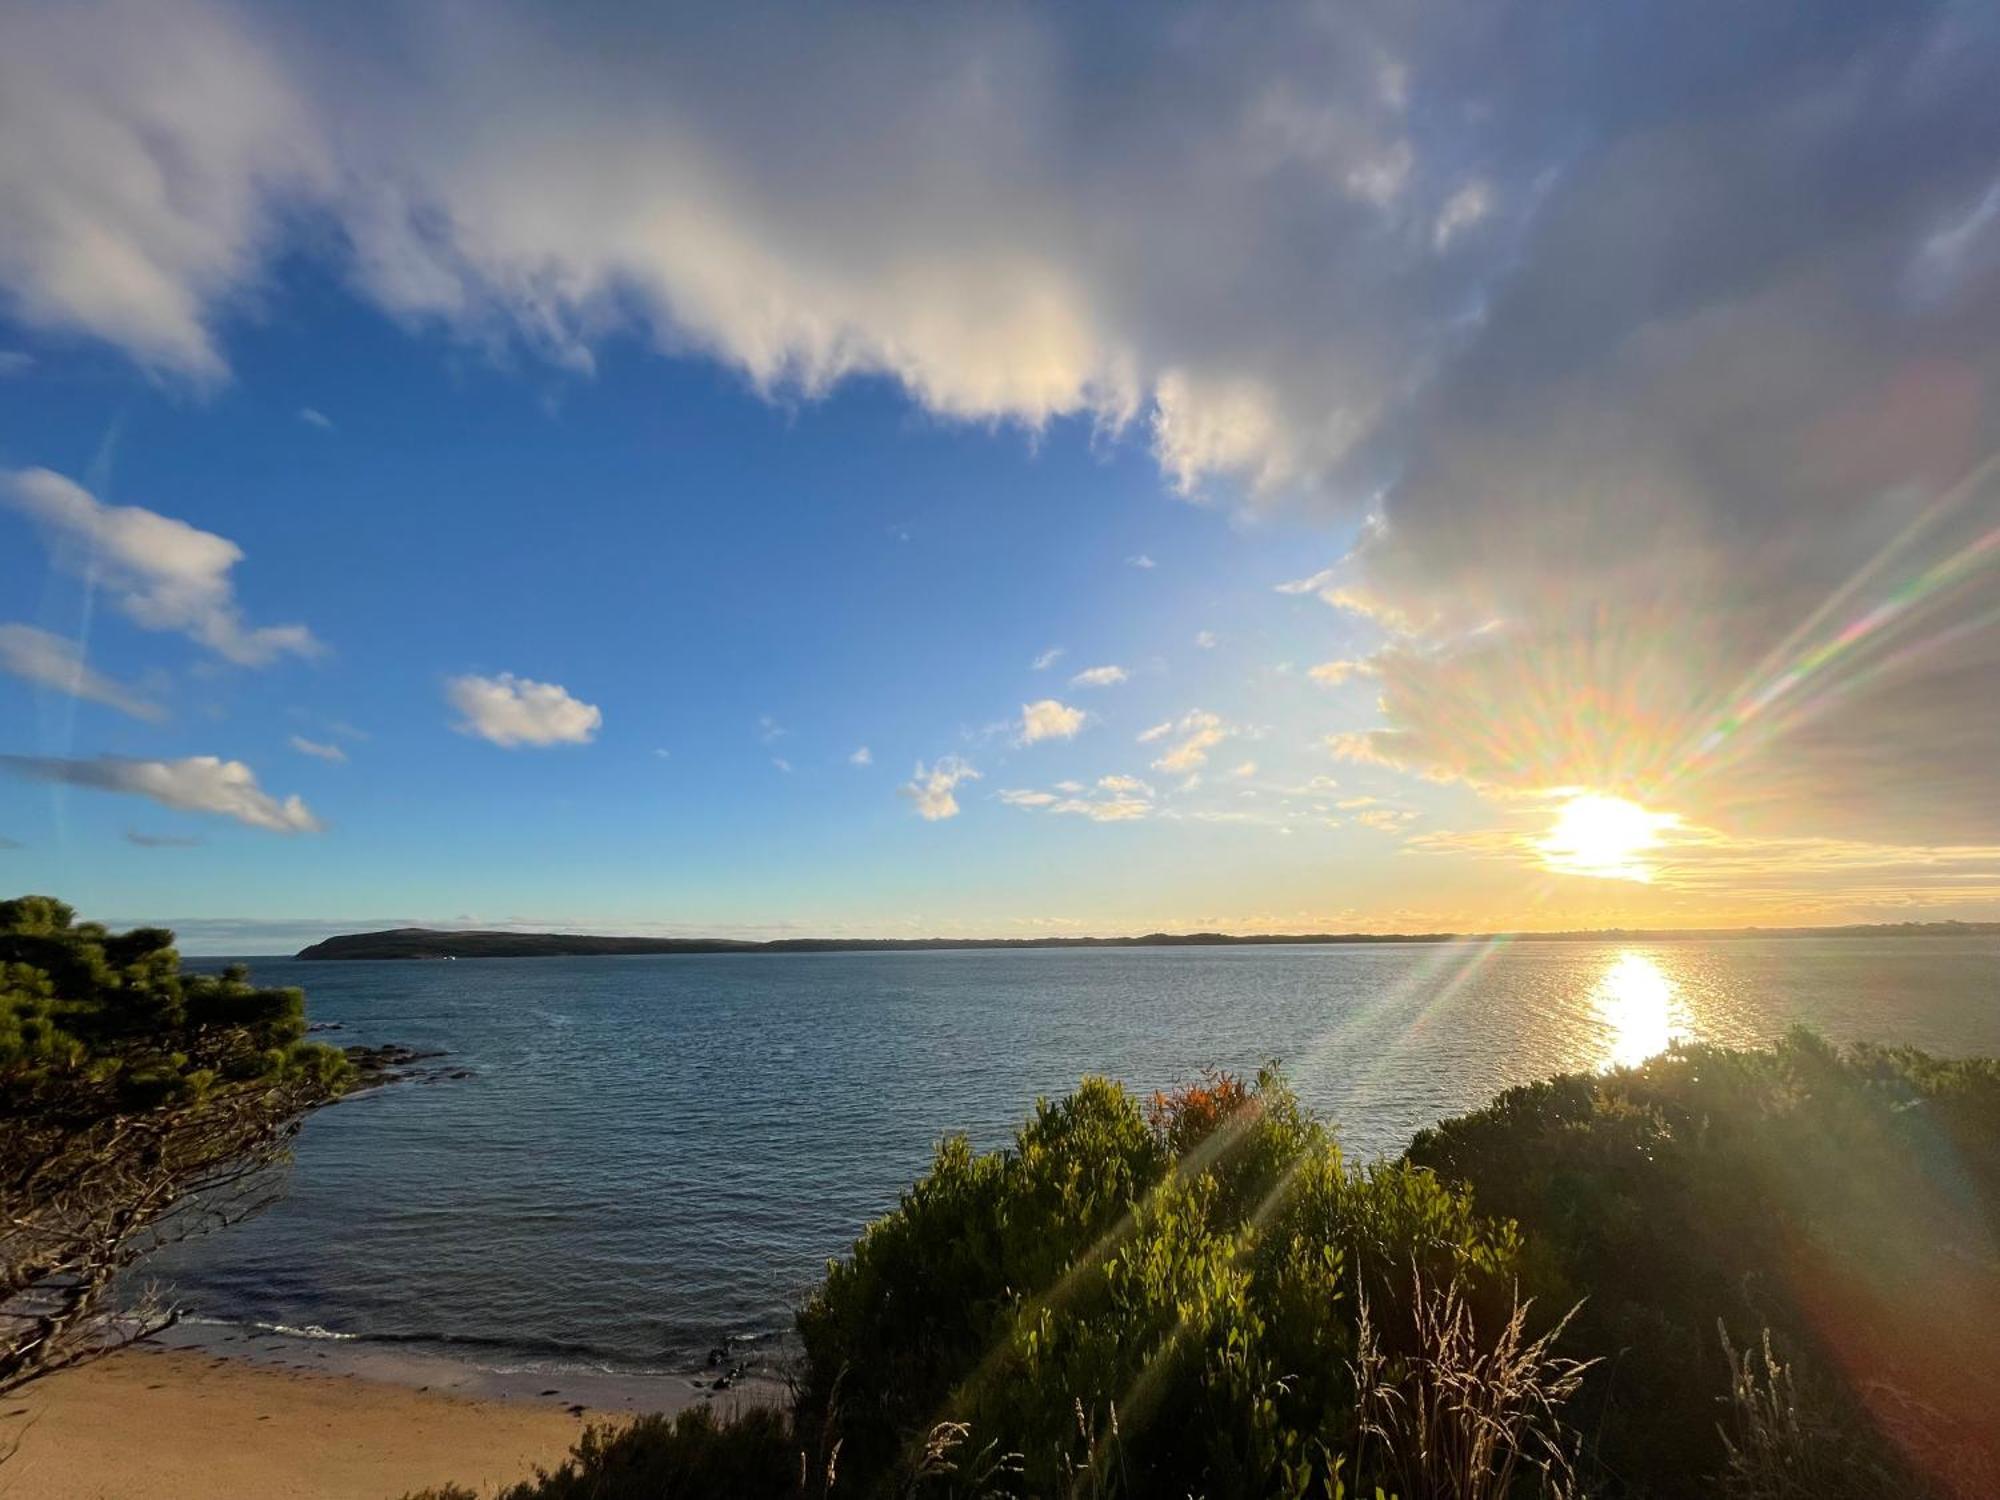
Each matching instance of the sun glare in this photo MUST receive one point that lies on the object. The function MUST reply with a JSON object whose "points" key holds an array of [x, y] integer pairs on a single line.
{"points": [[1606, 836], [1639, 1011]]}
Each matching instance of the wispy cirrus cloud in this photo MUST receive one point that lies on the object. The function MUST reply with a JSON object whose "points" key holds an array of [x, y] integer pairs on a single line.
{"points": [[1115, 799], [1106, 676], [318, 749], [164, 573], [54, 661], [1199, 732], [195, 783], [1334, 673]]}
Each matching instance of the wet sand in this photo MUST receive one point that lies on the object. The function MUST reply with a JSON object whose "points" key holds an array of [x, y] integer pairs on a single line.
{"points": [[169, 1423]]}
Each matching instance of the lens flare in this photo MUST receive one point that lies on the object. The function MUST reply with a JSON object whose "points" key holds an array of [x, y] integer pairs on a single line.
{"points": [[1605, 836]]}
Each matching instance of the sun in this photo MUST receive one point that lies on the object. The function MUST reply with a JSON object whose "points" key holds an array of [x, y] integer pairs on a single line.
{"points": [[1598, 834]]}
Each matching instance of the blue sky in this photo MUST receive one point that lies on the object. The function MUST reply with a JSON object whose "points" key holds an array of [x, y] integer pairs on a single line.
{"points": [[733, 581], [460, 467]]}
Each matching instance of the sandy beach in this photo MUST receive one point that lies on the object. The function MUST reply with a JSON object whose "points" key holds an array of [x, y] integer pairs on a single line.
{"points": [[170, 1424]]}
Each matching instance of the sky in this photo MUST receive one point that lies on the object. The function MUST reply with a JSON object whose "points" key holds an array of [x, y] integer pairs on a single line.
{"points": [[999, 470]]}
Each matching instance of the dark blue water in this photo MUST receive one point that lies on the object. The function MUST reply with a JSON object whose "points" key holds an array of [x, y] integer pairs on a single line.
{"points": [[653, 1154]]}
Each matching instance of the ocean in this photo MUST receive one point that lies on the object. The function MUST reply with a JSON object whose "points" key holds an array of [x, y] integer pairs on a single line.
{"points": [[650, 1157]]}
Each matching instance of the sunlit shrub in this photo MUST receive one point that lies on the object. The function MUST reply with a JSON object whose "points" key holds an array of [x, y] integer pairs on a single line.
{"points": [[1844, 1198], [1130, 1300]]}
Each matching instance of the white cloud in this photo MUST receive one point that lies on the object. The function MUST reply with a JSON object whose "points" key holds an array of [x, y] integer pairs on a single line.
{"points": [[1200, 731], [162, 135], [312, 416], [932, 787], [862, 757], [1158, 732], [782, 764], [1141, 561], [1016, 797], [1386, 819], [1334, 673], [317, 749], [198, 783], [56, 662], [1247, 769], [164, 573], [1098, 677], [662, 753], [1127, 798], [1462, 211], [553, 183], [510, 711], [1105, 809], [1205, 639], [1046, 719], [1048, 658]]}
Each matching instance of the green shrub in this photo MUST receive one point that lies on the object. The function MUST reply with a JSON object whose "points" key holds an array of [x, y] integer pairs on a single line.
{"points": [[1843, 1198], [690, 1456], [1156, 1302]]}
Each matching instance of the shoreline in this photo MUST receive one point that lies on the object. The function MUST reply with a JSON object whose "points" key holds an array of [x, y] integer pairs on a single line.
{"points": [[424, 1370], [234, 1415]]}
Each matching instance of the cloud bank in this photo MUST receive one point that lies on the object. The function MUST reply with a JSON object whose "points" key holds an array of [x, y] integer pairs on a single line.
{"points": [[1658, 340]]}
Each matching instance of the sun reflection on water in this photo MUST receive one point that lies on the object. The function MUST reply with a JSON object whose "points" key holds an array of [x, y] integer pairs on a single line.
{"points": [[1639, 1010]]}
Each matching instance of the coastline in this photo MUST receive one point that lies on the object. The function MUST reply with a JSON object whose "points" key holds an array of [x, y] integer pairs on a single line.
{"points": [[427, 1370], [218, 1411]]}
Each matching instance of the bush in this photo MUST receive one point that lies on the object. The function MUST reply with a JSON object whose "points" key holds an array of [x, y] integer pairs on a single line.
{"points": [[1844, 1199], [1136, 1302], [693, 1455]]}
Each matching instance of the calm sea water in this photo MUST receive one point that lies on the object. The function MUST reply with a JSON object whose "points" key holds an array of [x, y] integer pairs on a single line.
{"points": [[653, 1155]]}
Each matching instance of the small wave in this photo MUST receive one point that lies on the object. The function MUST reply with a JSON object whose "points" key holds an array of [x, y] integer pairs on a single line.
{"points": [[310, 1331]]}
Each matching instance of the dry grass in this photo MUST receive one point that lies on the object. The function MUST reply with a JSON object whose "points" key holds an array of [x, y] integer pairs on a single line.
{"points": [[1464, 1418]]}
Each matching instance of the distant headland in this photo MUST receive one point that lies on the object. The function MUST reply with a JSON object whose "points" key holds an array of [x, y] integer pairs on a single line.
{"points": [[441, 943]]}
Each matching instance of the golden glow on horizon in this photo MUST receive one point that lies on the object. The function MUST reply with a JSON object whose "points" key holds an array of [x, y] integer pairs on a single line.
{"points": [[1601, 835], [1639, 1011]]}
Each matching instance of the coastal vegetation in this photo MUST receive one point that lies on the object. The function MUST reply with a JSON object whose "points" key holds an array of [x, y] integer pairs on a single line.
{"points": [[139, 1104], [1754, 1274]]}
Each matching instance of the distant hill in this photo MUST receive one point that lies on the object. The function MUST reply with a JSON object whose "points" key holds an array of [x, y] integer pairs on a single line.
{"points": [[436, 943]]}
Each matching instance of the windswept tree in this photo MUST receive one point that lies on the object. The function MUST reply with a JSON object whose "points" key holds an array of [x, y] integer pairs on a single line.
{"points": [[138, 1105]]}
